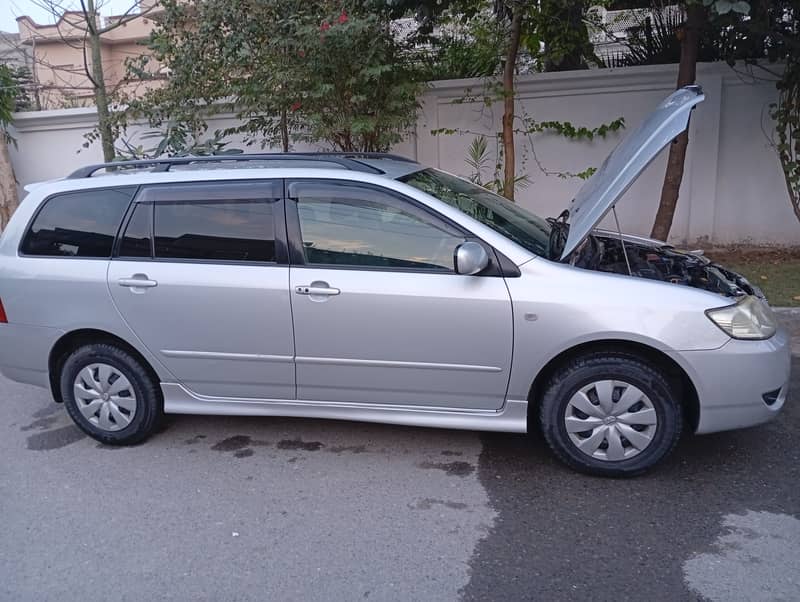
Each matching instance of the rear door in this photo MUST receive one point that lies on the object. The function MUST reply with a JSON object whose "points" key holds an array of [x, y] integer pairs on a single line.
{"points": [[200, 275], [380, 316]]}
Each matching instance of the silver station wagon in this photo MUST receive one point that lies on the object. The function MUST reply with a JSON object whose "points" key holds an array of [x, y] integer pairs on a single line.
{"points": [[369, 287]]}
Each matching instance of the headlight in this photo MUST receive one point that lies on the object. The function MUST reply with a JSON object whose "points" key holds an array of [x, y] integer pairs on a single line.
{"points": [[750, 318]]}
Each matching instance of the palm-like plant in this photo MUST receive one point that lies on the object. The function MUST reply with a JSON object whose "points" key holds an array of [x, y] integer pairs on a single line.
{"points": [[479, 159]]}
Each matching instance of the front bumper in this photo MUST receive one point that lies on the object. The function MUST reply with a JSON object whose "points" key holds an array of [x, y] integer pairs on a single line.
{"points": [[732, 381]]}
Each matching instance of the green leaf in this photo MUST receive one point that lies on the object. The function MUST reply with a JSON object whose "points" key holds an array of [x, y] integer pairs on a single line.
{"points": [[723, 7], [743, 8]]}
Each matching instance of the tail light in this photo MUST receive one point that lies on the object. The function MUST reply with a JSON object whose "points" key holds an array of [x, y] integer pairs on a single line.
{"points": [[3, 318]]}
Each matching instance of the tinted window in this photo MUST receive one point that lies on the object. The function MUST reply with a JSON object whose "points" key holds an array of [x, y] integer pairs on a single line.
{"points": [[215, 230], [136, 239], [358, 227], [78, 224]]}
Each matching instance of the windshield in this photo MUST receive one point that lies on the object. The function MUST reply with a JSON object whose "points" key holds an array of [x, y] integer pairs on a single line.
{"points": [[501, 215]]}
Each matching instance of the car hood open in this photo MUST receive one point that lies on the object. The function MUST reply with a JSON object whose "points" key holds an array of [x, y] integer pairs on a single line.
{"points": [[624, 164]]}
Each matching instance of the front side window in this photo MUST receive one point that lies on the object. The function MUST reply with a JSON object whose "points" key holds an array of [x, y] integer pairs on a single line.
{"points": [[353, 226], [215, 230], [78, 224]]}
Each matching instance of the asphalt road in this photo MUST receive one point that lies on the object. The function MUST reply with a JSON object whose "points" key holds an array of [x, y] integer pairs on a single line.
{"points": [[293, 509]]}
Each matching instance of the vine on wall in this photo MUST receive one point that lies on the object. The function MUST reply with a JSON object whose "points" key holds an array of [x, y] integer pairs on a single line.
{"points": [[478, 154]]}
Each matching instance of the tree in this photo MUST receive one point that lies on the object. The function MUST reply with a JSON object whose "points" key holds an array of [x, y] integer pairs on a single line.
{"points": [[687, 73], [768, 36], [87, 24], [786, 113], [553, 34], [697, 18], [561, 29], [221, 57], [357, 88], [8, 182], [509, 67], [312, 72], [24, 83]]}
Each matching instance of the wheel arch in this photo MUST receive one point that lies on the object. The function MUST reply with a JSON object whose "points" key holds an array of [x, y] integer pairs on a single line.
{"points": [[676, 375], [87, 336]]}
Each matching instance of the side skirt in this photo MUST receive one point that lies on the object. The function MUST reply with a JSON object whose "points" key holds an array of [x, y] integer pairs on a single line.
{"points": [[512, 417]]}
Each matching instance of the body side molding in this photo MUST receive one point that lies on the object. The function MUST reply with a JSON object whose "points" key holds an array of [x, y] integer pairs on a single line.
{"points": [[512, 417]]}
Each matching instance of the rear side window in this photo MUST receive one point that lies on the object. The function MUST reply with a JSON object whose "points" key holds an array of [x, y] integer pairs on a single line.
{"points": [[215, 230], [78, 224]]}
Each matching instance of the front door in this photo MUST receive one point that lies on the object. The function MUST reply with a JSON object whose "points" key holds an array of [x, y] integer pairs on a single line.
{"points": [[200, 275], [380, 316]]}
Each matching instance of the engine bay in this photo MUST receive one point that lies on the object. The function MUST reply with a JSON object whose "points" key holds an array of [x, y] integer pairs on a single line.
{"points": [[607, 253]]}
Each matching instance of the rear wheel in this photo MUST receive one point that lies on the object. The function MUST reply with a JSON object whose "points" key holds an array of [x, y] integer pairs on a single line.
{"points": [[610, 414], [110, 395]]}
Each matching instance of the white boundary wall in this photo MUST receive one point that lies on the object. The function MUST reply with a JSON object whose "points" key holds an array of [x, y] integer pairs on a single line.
{"points": [[733, 190]]}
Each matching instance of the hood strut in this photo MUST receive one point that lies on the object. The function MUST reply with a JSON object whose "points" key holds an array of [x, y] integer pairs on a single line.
{"points": [[622, 241]]}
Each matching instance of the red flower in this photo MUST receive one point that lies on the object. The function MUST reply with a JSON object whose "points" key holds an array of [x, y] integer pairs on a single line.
{"points": [[342, 17], [296, 105], [325, 26], [301, 53]]}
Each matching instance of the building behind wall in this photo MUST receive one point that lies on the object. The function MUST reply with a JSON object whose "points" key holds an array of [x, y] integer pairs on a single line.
{"points": [[60, 57], [13, 54]]}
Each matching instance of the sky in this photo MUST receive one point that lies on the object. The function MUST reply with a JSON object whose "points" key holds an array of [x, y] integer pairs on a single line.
{"points": [[11, 9]]}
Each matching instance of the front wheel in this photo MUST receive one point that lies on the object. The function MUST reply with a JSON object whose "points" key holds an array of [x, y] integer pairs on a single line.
{"points": [[110, 395], [610, 414]]}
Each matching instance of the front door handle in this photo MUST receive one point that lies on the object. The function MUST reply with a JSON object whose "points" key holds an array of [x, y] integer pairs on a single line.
{"points": [[317, 289], [137, 281]]}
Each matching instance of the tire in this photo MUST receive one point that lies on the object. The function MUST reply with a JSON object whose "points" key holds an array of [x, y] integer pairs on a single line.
{"points": [[110, 395], [608, 445]]}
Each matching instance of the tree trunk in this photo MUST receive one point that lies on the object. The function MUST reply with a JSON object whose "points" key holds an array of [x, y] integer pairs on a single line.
{"points": [[509, 156], [788, 143], [687, 72], [8, 184], [284, 131], [99, 83]]}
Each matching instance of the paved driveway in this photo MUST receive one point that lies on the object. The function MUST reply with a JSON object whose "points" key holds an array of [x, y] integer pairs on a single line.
{"points": [[293, 509]]}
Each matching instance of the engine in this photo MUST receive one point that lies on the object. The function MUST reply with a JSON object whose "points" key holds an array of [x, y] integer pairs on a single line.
{"points": [[659, 262]]}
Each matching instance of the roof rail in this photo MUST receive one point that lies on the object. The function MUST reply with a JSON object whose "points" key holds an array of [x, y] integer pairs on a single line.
{"points": [[346, 160], [365, 155]]}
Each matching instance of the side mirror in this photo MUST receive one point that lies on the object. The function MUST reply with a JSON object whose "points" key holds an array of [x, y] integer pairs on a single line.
{"points": [[470, 258]]}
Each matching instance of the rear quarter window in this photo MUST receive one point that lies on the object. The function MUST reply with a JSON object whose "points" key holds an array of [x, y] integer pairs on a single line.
{"points": [[78, 224]]}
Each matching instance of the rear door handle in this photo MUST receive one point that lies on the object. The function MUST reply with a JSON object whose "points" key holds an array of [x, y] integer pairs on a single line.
{"points": [[137, 281], [311, 289]]}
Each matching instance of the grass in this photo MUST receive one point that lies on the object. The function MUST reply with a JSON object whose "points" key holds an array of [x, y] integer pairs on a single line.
{"points": [[775, 271]]}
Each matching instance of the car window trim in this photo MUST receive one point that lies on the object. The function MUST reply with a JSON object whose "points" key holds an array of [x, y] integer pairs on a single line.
{"points": [[226, 190], [20, 253]]}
